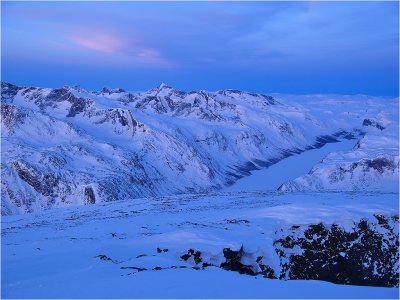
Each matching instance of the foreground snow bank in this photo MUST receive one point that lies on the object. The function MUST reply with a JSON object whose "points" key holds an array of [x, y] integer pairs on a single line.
{"points": [[181, 246], [188, 284]]}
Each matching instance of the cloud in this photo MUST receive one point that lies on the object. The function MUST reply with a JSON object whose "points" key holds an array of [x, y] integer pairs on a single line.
{"points": [[99, 42], [324, 34], [121, 48]]}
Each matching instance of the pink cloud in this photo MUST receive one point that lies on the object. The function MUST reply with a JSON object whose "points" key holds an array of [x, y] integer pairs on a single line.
{"points": [[123, 49], [99, 42]]}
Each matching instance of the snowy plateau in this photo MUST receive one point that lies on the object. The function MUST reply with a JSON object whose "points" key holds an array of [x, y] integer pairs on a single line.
{"points": [[171, 194]]}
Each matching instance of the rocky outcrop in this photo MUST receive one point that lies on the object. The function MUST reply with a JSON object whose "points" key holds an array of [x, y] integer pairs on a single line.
{"points": [[233, 262], [42, 183], [11, 116], [379, 173], [78, 106], [89, 195], [373, 123], [367, 254]]}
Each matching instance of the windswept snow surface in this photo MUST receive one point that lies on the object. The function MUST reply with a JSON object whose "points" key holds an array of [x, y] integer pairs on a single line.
{"points": [[134, 249]]}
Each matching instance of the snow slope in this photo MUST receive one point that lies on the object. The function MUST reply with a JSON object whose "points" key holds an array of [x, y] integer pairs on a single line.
{"points": [[68, 146], [191, 246]]}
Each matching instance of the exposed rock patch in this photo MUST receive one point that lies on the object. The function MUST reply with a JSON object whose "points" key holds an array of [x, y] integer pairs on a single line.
{"points": [[366, 255]]}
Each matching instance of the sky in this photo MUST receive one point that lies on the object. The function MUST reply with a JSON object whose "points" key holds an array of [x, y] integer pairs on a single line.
{"points": [[266, 47]]}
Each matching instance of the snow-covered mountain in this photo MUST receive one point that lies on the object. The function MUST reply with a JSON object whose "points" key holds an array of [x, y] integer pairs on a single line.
{"points": [[363, 168], [68, 146], [372, 165]]}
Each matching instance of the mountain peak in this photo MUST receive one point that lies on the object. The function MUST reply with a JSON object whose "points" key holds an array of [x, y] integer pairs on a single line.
{"points": [[75, 88], [164, 86]]}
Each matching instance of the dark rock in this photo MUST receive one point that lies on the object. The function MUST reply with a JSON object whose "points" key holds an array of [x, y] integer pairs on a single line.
{"points": [[372, 123], [266, 270], [59, 95], [42, 183], [106, 90], [205, 265], [185, 256], [368, 255], [192, 253], [79, 105], [11, 116], [233, 263], [89, 195], [135, 268], [380, 164], [103, 257], [234, 221], [159, 250]]}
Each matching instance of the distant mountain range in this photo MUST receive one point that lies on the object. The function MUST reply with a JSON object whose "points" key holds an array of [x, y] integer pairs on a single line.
{"points": [[68, 146]]}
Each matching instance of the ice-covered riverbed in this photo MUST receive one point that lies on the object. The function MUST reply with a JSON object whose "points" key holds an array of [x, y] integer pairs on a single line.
{"points": [[137, 249]]}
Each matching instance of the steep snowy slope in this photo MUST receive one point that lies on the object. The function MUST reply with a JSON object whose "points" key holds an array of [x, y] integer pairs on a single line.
{"points": [[68, 146]]}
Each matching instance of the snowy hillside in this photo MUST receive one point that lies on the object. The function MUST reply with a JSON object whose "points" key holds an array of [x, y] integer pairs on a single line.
{"points": [[68, 146], [372, 164], [190, 246]]}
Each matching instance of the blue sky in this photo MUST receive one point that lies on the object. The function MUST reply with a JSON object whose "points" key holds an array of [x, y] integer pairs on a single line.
{"points": [[287, 47]]}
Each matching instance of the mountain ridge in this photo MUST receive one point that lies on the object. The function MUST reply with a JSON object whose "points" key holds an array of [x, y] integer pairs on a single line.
{"points": [[67, 146]]}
